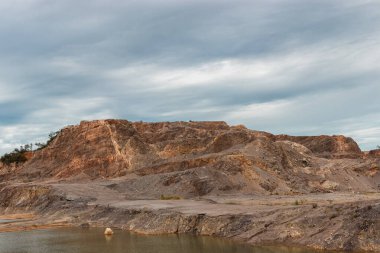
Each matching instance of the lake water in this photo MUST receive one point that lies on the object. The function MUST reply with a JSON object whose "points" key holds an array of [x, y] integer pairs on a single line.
{"points": [[76, 240]]}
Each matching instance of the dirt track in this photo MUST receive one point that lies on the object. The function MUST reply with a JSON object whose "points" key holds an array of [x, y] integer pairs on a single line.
{"points": [[210, 205]]}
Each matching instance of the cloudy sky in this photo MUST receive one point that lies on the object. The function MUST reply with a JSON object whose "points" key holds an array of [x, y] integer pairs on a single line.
{"points": [[287, 66]]}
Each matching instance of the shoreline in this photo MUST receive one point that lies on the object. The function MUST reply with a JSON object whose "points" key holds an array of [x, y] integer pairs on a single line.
{"points": [[19, 222], [25, 228], [270, 245], [337, 223], [47, 221]]}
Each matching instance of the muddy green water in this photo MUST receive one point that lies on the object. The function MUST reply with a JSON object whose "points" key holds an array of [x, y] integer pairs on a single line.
{"points": [[69, 240]]}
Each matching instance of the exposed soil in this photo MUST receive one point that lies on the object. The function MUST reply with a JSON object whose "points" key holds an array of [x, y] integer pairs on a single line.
{"points": [[263, 189]]}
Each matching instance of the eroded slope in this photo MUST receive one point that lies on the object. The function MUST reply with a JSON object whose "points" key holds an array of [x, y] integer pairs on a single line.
{"points": [[198, 158]]}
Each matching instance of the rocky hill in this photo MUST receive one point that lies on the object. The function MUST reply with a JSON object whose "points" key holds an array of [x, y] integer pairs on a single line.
{"points": [[316, 191], [197, 158]]}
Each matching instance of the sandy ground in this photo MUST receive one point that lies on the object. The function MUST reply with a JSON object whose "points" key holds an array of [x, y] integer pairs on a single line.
{"points": [[210, 205]]}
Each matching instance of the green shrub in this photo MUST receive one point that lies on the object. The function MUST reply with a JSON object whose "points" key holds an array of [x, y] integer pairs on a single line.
{"points": [[16, 156]]}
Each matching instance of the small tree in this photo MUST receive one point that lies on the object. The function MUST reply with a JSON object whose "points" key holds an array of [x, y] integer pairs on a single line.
{"points": [[52, 136], [40, 145]]}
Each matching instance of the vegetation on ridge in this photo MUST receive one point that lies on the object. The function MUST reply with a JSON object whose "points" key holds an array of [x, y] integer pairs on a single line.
{"points": [[18, 155], [52, 136]]}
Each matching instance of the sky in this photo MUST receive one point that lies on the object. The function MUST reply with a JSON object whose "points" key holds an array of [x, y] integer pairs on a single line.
{"points": [[287, 66]]}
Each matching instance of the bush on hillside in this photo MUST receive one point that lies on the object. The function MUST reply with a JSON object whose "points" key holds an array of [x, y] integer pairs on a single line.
{"points": [[16, 156]]}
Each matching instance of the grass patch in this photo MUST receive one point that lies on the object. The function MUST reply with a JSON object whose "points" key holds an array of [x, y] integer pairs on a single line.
{"points": [[299, 202], [167, 197]]}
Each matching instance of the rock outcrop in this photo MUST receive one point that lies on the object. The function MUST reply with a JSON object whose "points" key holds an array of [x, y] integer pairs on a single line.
{"points": [[373, 153], [336, 146]]}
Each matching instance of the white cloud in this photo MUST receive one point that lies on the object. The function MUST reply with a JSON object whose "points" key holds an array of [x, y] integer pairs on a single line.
{"points": [[260, 112], [68, 65], [14, 136], [5, 94], [74, 110], [214, 73], [367, 137]]}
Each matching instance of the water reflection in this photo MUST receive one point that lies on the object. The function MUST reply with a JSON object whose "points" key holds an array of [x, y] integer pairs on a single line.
{"points": [[94, 241]]}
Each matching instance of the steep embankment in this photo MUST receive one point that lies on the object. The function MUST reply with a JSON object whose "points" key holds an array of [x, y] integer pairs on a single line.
{"points": [[234, 182]]}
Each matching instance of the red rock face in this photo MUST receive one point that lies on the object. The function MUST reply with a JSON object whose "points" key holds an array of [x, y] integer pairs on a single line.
{"points": [[113, 148], [92, 148], [327, 146], [206, 156], [374, 153]]}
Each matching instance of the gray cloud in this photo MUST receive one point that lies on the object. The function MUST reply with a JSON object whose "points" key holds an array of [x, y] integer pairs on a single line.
{"points": [[282, 66]]}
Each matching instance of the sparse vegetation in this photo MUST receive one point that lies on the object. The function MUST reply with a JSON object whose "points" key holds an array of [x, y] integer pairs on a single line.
{"points": [[314, 205], [52, 136], [299, 202], [13, 157], [18, 155], [174, 197]]}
